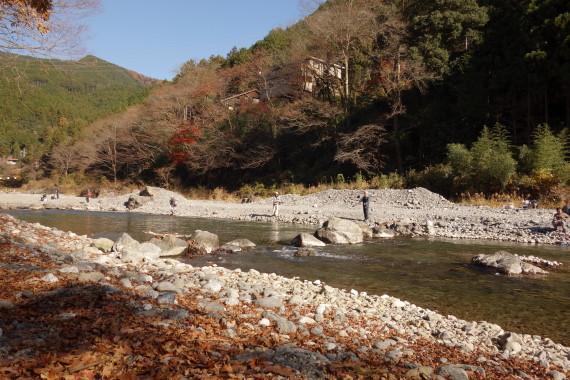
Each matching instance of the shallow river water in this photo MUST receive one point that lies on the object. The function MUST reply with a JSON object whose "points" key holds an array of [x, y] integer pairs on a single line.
{"points": [[433, 274]]}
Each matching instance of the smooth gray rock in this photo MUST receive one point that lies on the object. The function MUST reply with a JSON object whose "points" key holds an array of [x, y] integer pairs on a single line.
{"points": [[126, 282], [340, 231], [91, 277], [125, 241], [382, 232], [506, 263], [212, 307], [103, 244], [204, 242], [166, 286], [242, 243], [452, 372], [135, 256], [556, 375], [163, 298], [136, 201], [419, 373], [269, 302], [212, 286], [170, 245], [305, 239]]}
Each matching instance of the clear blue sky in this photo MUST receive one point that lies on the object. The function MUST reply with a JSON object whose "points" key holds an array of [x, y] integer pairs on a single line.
{"points": [[155, 38]]}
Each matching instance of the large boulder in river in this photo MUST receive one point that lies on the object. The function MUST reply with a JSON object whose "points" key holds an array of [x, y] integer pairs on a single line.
{"points": [[203, 242], [306, 240], [367, 231], [170, 245], [506, 263], [340, 231]]}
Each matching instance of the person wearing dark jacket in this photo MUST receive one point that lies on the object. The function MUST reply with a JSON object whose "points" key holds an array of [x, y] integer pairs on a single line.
{"points": [[365, 204]]}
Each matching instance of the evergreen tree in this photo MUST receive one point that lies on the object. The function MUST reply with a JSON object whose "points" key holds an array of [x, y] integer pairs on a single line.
{"points": [[493, 165]]}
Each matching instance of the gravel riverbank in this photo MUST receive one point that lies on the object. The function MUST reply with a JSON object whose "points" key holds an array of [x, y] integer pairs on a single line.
{"points": [[69, 309], [419, 206]]}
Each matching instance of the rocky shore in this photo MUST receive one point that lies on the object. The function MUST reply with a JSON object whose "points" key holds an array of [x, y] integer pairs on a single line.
{"points": [[71, 306], [419, 210]]}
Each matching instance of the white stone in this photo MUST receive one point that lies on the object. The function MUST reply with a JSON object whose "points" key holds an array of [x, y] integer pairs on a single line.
{"points": [[49, 278], [306, 320]]}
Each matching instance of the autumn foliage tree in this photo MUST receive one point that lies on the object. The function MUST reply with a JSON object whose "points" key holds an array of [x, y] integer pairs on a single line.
{"points": [[185, 135], [43, 27]]}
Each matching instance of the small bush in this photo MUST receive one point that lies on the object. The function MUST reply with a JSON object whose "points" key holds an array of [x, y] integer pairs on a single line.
{"points": [[436, 178], [359, 181], [389, 181]]}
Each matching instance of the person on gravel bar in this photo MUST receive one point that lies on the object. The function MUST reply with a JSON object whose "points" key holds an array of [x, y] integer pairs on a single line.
{"points": [[559, 220], [276, 203], [365, 204]]}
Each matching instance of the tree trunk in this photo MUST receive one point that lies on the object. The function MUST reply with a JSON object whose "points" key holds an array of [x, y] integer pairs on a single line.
{"points": [[567, 106], [546, 105], [397, 144], [397, 110]]}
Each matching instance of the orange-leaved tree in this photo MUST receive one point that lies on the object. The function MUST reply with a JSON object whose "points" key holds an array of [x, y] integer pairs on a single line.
{"points": [[186, 134]]}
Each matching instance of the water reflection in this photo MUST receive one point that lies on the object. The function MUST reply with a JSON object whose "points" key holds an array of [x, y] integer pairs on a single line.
{"points": [[434, 274], [275, 236]]}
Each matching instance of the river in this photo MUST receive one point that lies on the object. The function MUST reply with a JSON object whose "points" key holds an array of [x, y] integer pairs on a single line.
{"points": [[433, 274]]}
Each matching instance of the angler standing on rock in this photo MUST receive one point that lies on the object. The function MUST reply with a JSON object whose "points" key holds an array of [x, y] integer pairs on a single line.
{"points": [[365, 204]]}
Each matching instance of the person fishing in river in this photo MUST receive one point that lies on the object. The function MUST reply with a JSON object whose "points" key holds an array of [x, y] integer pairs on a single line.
{"points": [[276, 203], [365, 204]]}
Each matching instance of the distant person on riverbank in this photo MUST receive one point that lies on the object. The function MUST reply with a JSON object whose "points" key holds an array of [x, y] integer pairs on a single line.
{"points": [[88, 195], [172, 205], [276, 203], [559, 220], [57, 193], [365, 204], [43, 198]]}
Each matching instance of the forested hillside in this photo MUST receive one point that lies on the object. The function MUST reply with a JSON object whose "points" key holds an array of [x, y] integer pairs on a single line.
{"points": [[49, 102], [454, 95]]}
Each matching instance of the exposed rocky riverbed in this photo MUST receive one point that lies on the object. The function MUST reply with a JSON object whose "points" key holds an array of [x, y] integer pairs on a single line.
{"points": [[68, 307], [426, 213]]}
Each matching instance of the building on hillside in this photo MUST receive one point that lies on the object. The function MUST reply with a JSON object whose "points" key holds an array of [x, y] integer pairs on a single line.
{"points": [[318, 74], [12, 161], [245, 98], [314, 75]]}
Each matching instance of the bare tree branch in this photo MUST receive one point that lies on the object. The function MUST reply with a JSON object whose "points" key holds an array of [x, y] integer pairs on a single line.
{"points": [[44, 28], [362, 148]]}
